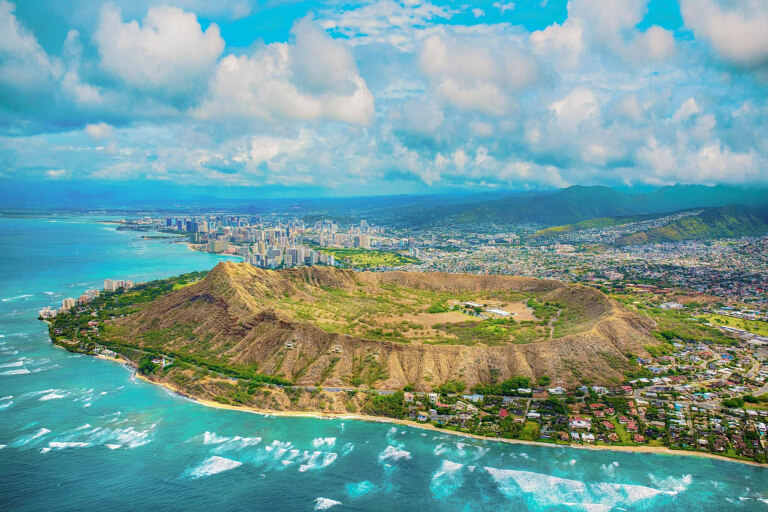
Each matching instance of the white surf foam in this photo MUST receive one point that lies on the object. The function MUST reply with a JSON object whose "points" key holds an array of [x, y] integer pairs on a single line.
{"points": [[60, 445], [229, 443], [113, 446], [325, 503], [214, 465], [6, 405], [11, 299], [55, 395], [25, 440], [316, 460], [546, 490], [447, 479], [22, 371], [14, 364], [347, 449], [319, 442], [391, 453]]}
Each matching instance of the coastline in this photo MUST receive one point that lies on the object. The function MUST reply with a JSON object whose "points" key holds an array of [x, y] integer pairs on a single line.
{"points": [[660, 450]]}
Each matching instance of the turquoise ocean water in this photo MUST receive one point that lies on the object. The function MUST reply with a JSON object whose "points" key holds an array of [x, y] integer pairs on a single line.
{"points": [[77, 433]]}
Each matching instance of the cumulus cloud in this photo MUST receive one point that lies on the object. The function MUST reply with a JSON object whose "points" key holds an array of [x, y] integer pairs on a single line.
{"points": [[388, 92], [25, 67], [736, 31], [284, 80], [99, 130], [477, 76], [167, 51], [608, 26]]}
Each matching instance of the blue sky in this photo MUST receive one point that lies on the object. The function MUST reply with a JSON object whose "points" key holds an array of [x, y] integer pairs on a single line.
{"points": [[348, 98]]}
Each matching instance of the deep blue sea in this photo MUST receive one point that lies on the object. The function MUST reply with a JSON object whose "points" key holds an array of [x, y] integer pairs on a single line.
{"points": [[77, 433]]}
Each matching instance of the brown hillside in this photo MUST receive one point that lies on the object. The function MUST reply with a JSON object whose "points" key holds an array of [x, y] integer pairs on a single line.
{"points": [[245, 316]]}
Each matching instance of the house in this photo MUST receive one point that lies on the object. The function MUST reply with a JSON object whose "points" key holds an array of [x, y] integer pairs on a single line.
{"points": [[608, 425], [408, 397], [423, 416], [503, 413], [578, 423]]}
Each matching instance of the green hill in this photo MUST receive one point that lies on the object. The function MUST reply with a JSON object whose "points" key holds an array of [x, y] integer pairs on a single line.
{"points": [[574, 205], [712, 223]]}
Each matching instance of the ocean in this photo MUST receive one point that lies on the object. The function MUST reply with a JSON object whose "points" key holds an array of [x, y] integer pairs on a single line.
{"points": [[78, 433]]}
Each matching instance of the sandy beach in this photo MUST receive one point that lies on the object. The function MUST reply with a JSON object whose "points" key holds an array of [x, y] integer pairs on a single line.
{"points": [[659, 450]]}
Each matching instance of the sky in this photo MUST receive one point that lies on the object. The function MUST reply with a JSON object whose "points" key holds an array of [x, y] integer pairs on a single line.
{"points": [[298, 98]]}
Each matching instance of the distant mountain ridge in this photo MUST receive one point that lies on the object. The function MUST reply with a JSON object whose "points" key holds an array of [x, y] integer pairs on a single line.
{"points": [[711, 223], [580, 203]]}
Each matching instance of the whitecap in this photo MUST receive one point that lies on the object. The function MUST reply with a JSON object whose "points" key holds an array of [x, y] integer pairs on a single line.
{"points": [[325, 503], [447, 479], [60, 445], [213, 465], [671, 483], [316, 460], [22, 371], [11, 299], [394, 454], [22, 441], [323, 441], [6, 405], [547, 491], [347, 449], [54, 395], [14, 364]]}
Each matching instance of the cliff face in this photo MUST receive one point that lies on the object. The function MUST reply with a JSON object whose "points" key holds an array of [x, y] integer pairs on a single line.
{"points": [[235, 315]]}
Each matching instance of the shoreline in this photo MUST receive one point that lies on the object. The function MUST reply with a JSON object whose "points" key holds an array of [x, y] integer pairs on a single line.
{"points": [[660, 450]]}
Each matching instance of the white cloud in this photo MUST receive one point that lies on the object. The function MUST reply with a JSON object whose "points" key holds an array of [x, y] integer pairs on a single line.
{"points": [[737, 33], [504, 6], [628, 106], [99, 130], [478, 13], [385, 22], [169, 50], [608, 26], [686, 110], [474, 74], [56, 174], [286, 81], [578, 106], [24, 65]]}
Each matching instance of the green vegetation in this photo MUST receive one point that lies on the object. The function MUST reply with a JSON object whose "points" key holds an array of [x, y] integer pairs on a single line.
{"points": [[600, 222], [508, 387], [756, 326], [678, 325], [390, 406], [368, 258], [713, 223]]}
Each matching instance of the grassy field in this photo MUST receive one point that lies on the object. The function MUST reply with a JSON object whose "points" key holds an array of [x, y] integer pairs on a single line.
{"points": [[368, 258], [409, 315], [756, 326]]}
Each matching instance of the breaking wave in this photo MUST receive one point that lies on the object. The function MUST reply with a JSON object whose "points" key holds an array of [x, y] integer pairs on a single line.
{"points": [[391, 453], [323, 441], [546, 490], [212, 466], [325, 503], [447, 479]]}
